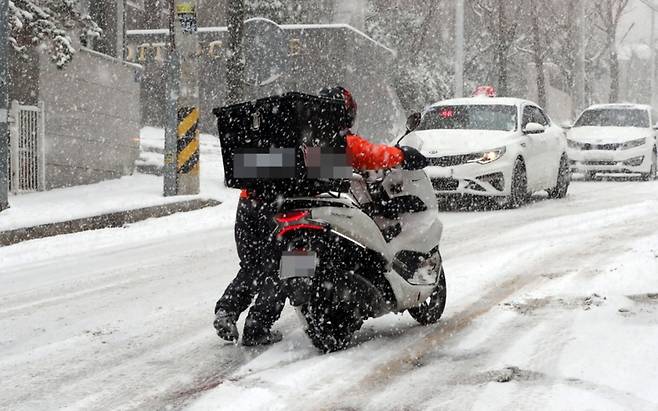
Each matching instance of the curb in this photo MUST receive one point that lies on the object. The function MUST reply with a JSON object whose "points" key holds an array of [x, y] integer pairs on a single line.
{"points": [[110, 220]]}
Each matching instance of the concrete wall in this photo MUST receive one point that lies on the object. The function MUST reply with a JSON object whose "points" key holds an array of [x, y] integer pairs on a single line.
{"points": [[92, 113], [315, 56]]}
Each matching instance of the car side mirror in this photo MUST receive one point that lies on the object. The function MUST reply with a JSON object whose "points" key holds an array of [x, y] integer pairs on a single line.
{"points": [[655, 127], [413, 121], [566, 126], [534, 128]]}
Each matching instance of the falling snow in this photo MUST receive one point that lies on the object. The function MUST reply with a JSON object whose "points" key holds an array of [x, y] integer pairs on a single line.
{"points": [[497, 251]]}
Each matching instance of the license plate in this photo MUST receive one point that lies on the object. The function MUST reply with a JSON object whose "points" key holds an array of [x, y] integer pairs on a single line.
{"points": [[295, 264]]}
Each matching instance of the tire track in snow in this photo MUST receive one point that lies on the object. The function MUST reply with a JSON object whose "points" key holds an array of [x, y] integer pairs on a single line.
{"points": [[565, 229], [53, 288], [644, 225], [140, 358], [545, 332], [61, 293]]}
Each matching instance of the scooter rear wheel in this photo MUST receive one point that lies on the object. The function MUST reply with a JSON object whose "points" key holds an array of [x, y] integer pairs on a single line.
{"points": [[332, 317], [432, 309]]}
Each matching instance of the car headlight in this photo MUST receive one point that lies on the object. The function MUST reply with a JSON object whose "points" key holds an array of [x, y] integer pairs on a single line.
{"points": [[574, 144], [488, 156], [634, 143], [634, 162]]}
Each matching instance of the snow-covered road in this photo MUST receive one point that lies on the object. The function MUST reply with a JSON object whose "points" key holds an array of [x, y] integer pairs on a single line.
{"points": [[552, 306]]}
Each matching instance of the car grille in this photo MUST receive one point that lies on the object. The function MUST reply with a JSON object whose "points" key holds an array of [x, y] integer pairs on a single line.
{"points": [[602, 147], [451, 161], [445, 184], [601, 163]]}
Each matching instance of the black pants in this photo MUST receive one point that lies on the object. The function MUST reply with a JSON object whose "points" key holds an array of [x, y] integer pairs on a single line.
{"points": [[259, 269]]}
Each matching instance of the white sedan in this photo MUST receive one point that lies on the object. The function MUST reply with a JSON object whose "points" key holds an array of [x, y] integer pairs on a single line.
{"points": [[501, 148], [614, 138]]}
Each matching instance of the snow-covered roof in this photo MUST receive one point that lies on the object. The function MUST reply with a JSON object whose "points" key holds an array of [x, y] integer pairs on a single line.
{"points": [[146, 32], [483, 101], [111, 58], [220, 29], [629, 106]]}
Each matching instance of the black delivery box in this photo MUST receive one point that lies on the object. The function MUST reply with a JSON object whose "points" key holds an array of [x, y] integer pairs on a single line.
{"points": [[287, 145]]}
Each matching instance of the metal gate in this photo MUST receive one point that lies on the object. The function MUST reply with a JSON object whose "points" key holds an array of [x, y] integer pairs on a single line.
{"points": [[26, 137]]}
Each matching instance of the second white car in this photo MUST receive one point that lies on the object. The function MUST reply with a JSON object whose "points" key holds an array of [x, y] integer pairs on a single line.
{"points": [[614, 139]]}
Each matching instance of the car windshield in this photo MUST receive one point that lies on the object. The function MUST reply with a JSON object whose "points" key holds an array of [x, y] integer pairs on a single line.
{"points": [[473, 117], [614, 118]]}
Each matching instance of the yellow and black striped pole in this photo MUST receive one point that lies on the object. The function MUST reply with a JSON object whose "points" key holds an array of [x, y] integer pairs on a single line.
{"points": [[182, 162], [187, 160]]}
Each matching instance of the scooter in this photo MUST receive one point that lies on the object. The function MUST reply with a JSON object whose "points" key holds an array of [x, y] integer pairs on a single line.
{"points": [[374, 250]]}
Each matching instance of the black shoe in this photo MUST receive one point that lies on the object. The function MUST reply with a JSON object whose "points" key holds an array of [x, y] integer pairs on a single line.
{"points": [[225, 326], [265, 338]]}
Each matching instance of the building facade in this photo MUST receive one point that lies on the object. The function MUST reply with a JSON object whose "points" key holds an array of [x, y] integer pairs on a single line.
{"points": [[296, 56], [88, 121], [302, 58]]}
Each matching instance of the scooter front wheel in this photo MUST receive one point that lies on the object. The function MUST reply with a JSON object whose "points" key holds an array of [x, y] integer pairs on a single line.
{"points": [[431, 310]]}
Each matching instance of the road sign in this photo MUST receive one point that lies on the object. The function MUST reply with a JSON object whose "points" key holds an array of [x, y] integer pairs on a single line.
{"points": [[187, 17]]}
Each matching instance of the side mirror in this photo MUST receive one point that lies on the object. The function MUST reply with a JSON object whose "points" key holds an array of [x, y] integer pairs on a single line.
{"points": [[566, 126], [534, 128], [413, 121], [413, 159], [655, 127]]}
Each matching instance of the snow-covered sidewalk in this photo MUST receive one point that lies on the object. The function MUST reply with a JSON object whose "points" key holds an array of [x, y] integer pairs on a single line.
{"points": [[124, 194], [128, 193]]}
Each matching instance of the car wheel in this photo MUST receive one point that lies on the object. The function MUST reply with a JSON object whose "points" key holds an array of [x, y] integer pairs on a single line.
{"points": [[519, 192], [563, 180], [652, 174]]}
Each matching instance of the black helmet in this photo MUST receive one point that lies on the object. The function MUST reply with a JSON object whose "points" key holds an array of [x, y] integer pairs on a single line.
{"points": [[343, 94]]}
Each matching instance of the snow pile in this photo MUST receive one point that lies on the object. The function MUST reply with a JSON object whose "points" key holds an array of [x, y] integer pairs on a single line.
{"points": [[152, 142], [127, 193]]}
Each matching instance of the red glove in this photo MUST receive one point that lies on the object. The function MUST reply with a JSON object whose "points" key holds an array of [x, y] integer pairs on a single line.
{"points": [[368, 156]]}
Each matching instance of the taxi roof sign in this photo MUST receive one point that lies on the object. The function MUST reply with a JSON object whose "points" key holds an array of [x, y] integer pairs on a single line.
{"points": [[484, 91]]}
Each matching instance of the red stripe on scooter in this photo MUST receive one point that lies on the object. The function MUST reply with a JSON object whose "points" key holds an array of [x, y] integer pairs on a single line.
{"points": [[295, 227]]}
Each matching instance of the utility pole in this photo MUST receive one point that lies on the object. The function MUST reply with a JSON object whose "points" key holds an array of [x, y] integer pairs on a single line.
{"points": [[235, 13], [181, 162], [652, 45], [4, 106], [580, 58], [459, 48]]}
